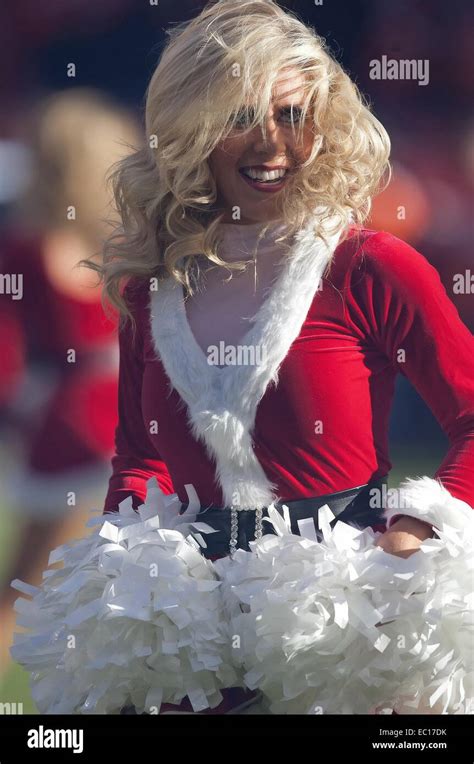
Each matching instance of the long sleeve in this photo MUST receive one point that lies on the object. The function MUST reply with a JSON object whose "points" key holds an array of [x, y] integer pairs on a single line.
{"points": [[397, 298], [12, 336], [12, 349], [136, 459]]}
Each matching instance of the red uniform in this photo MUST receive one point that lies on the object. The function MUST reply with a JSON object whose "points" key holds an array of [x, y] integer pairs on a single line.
{"points": [[324, 426], [306, 418], [12, 350], [71, 400]]}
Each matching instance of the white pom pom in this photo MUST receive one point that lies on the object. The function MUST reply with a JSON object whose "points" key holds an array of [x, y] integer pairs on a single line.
{"points": [[133, 616], [343, 627]]}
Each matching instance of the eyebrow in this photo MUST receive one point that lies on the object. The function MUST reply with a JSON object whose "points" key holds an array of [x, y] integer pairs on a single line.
{"points": [[280, 107]]}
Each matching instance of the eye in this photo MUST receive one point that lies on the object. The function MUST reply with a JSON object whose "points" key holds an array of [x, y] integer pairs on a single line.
{"points": [[291, 114], [244, 117]]}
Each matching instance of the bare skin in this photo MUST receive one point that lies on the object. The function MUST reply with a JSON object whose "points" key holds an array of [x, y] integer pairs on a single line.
{"points": [[405, 536], [243, 149]]}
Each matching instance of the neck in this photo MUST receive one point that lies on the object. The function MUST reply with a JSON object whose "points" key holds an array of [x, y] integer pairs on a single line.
{"points": [[240, 242]]}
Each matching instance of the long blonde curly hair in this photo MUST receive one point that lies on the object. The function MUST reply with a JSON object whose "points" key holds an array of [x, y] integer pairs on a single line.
{"points": [[212, 67]]}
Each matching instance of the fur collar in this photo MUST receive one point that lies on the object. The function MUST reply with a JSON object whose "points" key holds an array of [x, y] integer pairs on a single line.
{"points": [[222, 403]]}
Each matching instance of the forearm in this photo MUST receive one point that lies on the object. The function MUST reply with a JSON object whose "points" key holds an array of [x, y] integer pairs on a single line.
{"points": [[405, 536]]}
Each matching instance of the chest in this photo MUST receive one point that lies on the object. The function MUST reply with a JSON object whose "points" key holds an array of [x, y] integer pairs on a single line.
{"points": [[328, 370], [293, 334], [224, 307]]}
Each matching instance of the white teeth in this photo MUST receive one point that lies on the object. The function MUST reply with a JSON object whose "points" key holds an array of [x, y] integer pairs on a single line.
{"points": [[264, 175]]}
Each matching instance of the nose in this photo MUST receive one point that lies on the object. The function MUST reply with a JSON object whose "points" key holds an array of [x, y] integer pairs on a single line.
{"points": [[275, 138]]}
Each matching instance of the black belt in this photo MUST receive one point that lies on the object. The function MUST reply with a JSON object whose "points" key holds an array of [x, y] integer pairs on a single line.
{"points": [[351, 506]]}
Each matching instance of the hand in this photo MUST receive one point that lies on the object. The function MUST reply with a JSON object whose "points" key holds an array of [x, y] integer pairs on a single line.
{"points": [[405, 536]]}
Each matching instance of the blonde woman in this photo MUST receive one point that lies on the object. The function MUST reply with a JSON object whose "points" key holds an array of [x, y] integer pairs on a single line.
{"points": [[263, 330]]}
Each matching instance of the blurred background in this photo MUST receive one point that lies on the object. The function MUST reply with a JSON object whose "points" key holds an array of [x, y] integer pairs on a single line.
{"points": [[73, 77]]}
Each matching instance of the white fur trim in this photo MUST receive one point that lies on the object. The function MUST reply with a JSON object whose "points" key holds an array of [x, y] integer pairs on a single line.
{"points": [[222, 403], [428, 500]]}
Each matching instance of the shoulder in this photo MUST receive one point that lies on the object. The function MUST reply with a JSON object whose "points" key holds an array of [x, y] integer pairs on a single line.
{"points": [[378, 255], [136, 292], [136, 295], [378, 249]]}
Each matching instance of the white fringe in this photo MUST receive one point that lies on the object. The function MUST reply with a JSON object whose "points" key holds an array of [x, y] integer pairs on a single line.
{"points": [[343, 627], [133, 617], [138, 616]]}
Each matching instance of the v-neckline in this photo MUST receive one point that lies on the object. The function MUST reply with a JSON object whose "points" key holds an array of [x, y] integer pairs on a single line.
{"points": [[247, 338], [222, 402]]}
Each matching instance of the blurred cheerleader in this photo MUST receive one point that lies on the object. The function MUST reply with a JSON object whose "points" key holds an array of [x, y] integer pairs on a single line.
{"points": [[265, 563], [66, 404]]}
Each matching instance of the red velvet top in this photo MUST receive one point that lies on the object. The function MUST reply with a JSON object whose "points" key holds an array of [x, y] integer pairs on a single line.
{"points": [[75, 427], [324, 428], [51, 321]]}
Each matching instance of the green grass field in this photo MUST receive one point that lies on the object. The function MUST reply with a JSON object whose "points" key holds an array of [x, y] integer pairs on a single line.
{"points": [[14, 685]]}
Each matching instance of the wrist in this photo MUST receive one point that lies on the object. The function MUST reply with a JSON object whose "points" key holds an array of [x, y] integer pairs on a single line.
{"points": [[414, 526]]}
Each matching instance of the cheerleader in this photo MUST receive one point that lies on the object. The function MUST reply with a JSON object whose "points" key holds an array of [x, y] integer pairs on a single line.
{"points": [[65, 401], [246, 555]]}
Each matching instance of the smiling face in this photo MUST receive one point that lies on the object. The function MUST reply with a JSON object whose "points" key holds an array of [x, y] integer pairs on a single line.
{"points": [[251, 169]]}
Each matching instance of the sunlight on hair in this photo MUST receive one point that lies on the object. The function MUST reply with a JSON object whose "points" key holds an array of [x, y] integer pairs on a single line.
{"points": [[215, 68]]}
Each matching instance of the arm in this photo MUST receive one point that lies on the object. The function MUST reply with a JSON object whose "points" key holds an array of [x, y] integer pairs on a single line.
{"points": [[12, 349], [136, 460], [12, 336], [405, 536], [405, 308]]}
